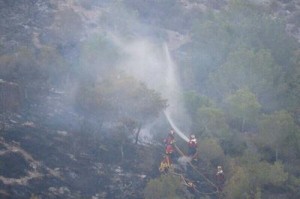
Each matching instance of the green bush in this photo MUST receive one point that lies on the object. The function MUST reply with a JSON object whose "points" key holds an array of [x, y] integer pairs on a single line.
{"points": [[165, 186]]}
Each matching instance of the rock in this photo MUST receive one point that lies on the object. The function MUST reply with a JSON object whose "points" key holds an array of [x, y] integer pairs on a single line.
{"points": [[29, 124], [63, 133], [119, 170], [142, 176], [59, 191], [63, 190]]}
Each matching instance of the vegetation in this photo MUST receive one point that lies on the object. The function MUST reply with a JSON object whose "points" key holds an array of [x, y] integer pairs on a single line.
{"points": [[241, 94], [240, 79], [165, 186], [120, 99]]}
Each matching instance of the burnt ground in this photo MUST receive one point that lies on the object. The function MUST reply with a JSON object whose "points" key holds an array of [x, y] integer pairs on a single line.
{"points": [[49, 151], [45, 155]]}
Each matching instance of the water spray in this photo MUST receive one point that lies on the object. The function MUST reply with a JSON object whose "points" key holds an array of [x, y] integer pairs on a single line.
{"points": [[172, 93], [177, 130]]}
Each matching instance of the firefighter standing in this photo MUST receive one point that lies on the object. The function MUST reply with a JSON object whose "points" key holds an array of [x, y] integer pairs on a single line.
{"points": [[220, 177], [192, 146], [170, 139], [170, 153], [169, 150]]}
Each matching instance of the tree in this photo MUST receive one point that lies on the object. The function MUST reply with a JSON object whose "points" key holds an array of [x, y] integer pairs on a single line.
{"points": [[166, 186], [34, 71], [120, 99], [212, 121], [245, 68], [290, 85], [250, 175], [159, 12], [211, 151], [98, 58], [276, 131], [241, 46], [242, 108], [193, 101]]}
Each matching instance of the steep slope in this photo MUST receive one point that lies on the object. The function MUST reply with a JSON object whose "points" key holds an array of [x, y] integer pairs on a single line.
{"points": [[46, 149]]}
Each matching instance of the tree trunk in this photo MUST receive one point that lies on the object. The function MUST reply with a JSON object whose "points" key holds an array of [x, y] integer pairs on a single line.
{"points": [[138, 133], [2, 122], [243, 124], [122, 152]]}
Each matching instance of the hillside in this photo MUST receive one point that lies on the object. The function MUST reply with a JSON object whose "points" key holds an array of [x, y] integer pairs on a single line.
{"points": [[89, 90]]}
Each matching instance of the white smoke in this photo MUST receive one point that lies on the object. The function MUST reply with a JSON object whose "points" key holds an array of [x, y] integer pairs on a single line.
{"points": [[183, 161], [152, 64]]}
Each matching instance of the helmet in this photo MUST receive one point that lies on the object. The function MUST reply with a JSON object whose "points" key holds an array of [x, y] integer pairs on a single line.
{"points": [[192, 136], [219, 167]]}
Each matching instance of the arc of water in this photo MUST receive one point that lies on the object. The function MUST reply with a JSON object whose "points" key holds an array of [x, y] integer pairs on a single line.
{"points": [[177, 130], [175, 110]]}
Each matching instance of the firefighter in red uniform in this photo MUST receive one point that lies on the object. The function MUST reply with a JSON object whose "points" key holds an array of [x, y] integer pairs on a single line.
{"points": [[168, 159], [170, 139], [169, 149]]}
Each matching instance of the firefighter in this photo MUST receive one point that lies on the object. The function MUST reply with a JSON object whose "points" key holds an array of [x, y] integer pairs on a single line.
{"points": [[192, 146], [170, 153], [170, 139], [167, 159], [220, 177], [164, 165]]}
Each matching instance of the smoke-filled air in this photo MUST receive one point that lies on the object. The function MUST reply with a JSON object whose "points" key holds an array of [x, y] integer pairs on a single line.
{"points": [[149, 99]]}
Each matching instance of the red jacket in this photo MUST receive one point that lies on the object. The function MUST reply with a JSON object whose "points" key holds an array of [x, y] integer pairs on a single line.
{"points": [[169, 149]]}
